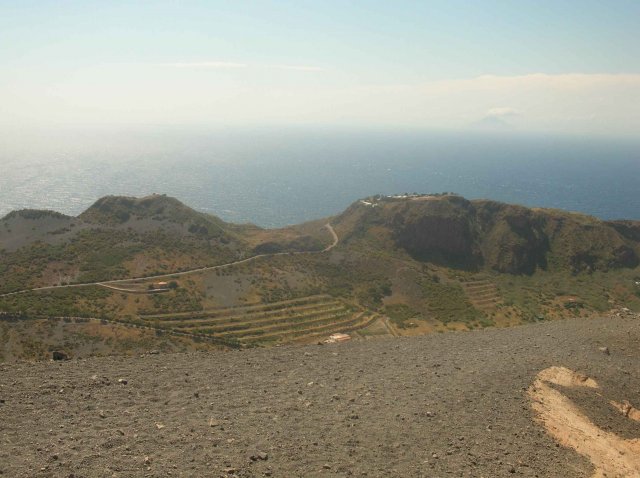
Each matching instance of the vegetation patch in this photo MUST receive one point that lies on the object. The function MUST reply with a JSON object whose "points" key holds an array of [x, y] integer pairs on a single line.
{"points": [[402, 315], [447, 302]]}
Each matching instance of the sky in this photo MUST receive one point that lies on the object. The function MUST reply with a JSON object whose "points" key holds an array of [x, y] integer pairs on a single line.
{"points": [[553, 66]]}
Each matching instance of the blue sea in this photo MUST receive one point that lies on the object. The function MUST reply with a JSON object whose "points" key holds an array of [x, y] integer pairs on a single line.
{"points": [[274, 177]]}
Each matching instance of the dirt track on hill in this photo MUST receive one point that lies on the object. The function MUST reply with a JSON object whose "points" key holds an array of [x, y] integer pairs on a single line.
{"points": [[109, 283], [454, 404]]}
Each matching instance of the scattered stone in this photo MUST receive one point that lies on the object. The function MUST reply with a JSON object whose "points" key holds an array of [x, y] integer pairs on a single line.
{"points": [[261, 455], [57, 355]]}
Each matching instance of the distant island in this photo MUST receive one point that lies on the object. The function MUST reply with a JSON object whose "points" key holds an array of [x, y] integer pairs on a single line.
{"points": [[140, 273]]}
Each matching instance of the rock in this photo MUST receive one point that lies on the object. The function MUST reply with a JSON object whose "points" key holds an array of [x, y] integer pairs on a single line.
{"points": [[147, 460], [214, 423], [102, 414], [159, 426], [604, 350], [154, 352], [57, 355], [230, 471], [260, 455], [122, 381]]}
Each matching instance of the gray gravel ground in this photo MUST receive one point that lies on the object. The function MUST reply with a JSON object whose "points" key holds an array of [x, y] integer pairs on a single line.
{"points": [[443, 405]]}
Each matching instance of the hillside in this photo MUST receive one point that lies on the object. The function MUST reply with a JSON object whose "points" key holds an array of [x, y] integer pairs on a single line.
{"points": [[387, 266], [120, 237], [458, 404], [475, 235]]}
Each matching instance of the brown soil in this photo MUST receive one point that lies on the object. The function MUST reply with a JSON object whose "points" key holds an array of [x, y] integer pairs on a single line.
{"points": [[454, 404]]}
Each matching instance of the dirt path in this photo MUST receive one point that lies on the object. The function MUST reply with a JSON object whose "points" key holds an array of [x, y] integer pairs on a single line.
{"points": [[178, 274], [334, 235], [387, 325], [611, 455], [454, 404]]}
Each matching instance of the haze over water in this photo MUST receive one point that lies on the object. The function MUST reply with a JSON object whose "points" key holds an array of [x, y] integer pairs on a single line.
{"points": [[278, 177]]}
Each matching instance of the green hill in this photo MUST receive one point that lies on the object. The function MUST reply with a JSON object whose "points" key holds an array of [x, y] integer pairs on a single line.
{"points": [[403, 265], [486, 235], [116, 237]]}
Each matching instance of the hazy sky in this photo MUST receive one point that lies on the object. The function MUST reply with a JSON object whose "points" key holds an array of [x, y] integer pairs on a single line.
{"points": [[565, 66]]}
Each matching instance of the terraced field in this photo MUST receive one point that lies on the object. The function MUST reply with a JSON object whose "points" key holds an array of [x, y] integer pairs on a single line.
{"points": [[299, 320], [482, 294]]}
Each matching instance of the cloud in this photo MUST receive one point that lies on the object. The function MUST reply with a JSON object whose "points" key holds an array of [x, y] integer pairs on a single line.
{"points": [[295, 67], [235, 65], [501, 112], [205, 64], [272, 93]]}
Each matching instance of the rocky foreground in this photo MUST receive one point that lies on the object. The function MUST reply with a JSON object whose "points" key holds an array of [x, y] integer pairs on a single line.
{"points": [[451, 404]]}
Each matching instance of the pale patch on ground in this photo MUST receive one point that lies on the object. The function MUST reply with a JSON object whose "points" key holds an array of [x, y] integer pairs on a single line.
{"points": [[627, 410], [610, 455]]}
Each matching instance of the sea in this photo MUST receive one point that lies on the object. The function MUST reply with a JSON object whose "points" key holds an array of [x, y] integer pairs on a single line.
{"points": [[273, 177]]}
